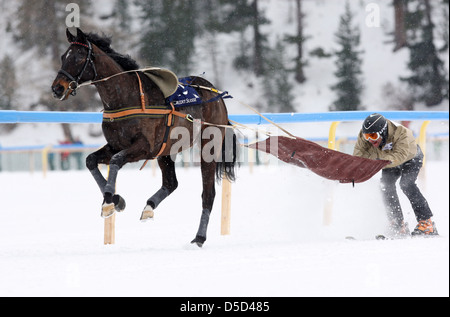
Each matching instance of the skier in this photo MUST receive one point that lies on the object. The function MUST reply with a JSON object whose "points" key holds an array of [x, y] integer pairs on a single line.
{"points": [[380, 138]]}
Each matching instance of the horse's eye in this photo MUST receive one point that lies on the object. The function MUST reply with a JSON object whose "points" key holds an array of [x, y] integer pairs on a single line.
{"points": [[78, 58]]}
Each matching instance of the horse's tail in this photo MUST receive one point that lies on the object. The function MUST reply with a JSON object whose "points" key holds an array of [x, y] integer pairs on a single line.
{"points": [[226, 167]]}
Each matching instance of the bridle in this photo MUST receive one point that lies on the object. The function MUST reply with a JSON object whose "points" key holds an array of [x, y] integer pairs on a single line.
{"points": [[75, 82]]}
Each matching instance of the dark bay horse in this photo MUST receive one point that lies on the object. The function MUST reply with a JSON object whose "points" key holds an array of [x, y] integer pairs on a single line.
{"points": [[90, 57]]}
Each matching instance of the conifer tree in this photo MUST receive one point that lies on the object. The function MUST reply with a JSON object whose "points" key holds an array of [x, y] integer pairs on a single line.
{"points": [[122, 15], [238, 16], [40, 25], [428, 82], [276, 83], [400, 11], [298, 40], [348, 63], [169, 32], [8, 83]]}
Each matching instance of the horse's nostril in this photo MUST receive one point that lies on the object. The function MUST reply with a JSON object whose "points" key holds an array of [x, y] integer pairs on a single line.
{"points": [[58, 89]]}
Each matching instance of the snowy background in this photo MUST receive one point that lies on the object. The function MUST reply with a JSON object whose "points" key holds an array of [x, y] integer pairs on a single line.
{"points": [[51, 233]]}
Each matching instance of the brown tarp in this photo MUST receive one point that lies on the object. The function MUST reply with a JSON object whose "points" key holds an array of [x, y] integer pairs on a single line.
{"points": [[324, 162]]}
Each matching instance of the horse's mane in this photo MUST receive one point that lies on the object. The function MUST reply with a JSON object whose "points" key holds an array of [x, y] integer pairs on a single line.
{"points": [[104, 43]]}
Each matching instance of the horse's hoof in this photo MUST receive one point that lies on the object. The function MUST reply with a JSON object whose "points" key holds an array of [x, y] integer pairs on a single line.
{"points": [[147, 213], [199, 241], [108, 210], [119, 203]]}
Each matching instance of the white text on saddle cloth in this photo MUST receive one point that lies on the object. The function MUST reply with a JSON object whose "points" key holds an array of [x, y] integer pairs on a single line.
{"points": [[184, 96]]}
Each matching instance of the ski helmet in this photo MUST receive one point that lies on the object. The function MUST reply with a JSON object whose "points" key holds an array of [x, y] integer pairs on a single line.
{"points": [[375, 123]]}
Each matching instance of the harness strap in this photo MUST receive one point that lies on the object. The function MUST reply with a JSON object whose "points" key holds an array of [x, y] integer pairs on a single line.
{"points": [[169, 112], [141, 92], [119, 114], [142, 110], [115, 115], [166, 136]]}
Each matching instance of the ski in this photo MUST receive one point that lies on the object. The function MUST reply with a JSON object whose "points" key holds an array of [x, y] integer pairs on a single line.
{"points": [[382, 237], [377, 237]]}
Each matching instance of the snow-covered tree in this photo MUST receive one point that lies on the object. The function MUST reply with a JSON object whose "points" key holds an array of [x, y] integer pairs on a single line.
{"points": [[276, 82], [349, 86], [298, 40], [239, 16], [169, 30], [8, 83], [428, 81]]}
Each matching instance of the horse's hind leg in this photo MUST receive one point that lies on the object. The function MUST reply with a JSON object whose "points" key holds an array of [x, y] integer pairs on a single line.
{"points": [[208, 195], [169, 184]]}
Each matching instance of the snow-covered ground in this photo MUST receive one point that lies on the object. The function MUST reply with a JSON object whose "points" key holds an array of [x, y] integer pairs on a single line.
{"points": [[51, 233], [51, 238]]}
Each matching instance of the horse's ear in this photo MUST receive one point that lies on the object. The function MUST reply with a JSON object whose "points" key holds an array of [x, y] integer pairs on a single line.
{"points": [[81, 37], [69, 35]]}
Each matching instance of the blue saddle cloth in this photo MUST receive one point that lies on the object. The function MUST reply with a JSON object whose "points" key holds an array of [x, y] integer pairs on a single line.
{"points": [[185, 95]]}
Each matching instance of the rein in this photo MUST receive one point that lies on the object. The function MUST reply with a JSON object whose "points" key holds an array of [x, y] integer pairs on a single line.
{"points": [[143, 110]]}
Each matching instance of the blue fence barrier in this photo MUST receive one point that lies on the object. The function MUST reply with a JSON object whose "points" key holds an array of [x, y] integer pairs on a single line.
{"points": [[339, 116], [12, 116], [58, 147]]}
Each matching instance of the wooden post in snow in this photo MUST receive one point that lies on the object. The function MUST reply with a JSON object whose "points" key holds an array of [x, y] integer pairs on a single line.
{"points": [[226, 207], [110, 230]]}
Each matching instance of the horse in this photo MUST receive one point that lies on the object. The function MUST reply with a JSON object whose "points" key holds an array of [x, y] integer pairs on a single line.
{"points": [[143, 136]]}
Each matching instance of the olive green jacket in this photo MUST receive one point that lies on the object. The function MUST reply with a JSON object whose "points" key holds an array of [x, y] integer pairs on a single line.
{"points": [[399, 147]]}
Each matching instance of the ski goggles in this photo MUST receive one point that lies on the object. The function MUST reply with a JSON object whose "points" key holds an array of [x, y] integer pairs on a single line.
{"points": [[371, 136]]}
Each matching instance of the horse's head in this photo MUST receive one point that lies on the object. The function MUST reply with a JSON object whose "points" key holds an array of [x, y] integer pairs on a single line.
{"points": [[77, 66]]}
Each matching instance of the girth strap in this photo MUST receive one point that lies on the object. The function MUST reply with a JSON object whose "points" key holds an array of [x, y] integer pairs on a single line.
{"points": [[112, 115], [166, 136], [124, 113]]}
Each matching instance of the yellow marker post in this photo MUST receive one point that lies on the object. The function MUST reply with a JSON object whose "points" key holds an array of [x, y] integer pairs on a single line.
{"points": [[45, 159], [329, 201], [423, 145], [423, 138]]}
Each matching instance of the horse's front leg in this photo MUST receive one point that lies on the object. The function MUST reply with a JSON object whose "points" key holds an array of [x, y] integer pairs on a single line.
{"points": [[103, 156], [169, 184], [134, 153]]}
